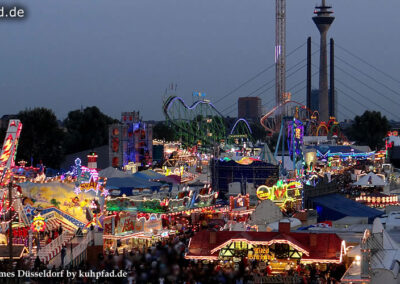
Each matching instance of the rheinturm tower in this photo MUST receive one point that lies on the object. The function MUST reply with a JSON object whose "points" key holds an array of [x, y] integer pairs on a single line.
{"points": [[323, 20]]}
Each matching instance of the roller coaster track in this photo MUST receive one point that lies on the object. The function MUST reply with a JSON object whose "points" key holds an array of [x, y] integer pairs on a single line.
{"points": [[189, 116], [171, 100], [269, 122]]}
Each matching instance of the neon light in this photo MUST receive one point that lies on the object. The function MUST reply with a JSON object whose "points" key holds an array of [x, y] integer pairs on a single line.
{"points": [[192, 106], [314, 260], [8, 151], [105, 192], [38, 224], [211, 258], [88, 186], [343, 155], [77, 190], [295, 137], [245, 121], [266, 243], [278, 191]]}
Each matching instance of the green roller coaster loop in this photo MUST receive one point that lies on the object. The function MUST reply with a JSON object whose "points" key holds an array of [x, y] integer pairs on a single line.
{"points": [[202, 124], [199, 124]]}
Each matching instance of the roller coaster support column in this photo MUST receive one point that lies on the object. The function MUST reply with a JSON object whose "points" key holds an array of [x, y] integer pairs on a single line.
{"points": [[277, 143], [281, 136]]}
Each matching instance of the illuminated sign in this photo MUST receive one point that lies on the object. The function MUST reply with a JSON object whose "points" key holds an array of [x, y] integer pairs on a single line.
{"points": [[128, 224], [260, 253], [153, 224], [238, 136], [239, 201], [88, 186], [279, 191]]}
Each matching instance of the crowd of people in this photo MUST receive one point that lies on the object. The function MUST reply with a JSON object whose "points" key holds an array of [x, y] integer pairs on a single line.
{"points": [[164, 263]]}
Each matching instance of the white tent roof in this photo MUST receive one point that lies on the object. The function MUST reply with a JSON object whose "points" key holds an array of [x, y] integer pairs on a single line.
{"points": [[111, 172], [266, 212], [370, 179]]}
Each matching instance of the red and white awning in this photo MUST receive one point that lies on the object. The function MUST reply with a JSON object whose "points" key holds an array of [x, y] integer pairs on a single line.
{"points": [[54, 224]]}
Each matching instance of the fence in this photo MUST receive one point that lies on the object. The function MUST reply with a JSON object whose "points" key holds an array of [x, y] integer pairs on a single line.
{"points": [[52, 249], [71, 255]]}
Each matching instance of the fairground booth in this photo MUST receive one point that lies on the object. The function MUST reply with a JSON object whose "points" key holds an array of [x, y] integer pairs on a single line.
{"points": [[140, 221], [277, 249], [286, 194], [337, 158]]}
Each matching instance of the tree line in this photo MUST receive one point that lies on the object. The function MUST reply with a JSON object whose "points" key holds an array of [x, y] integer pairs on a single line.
{"points": [[46, 140]]}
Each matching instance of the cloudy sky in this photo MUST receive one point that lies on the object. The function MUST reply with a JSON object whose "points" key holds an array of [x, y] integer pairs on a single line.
{"points": [[121, 55]]}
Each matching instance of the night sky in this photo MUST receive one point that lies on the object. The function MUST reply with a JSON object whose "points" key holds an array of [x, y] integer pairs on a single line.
{"points": [[122, 55]]}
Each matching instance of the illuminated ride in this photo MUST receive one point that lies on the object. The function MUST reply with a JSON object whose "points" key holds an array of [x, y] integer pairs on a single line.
{"points": [[299, 121], [312, 125], [270, 121], [240, 131], [327, 128], [287, 195], [7, 162], [9, 150], [202, 124], [295, 133], [198, 124], [292, 129]]}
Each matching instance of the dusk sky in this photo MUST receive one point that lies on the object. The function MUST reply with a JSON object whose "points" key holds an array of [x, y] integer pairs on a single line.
{"points": [[122, 55]]}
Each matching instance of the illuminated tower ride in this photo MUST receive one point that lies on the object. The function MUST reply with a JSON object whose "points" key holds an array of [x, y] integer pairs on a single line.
{"points": [[280, 55], [323, 21]]}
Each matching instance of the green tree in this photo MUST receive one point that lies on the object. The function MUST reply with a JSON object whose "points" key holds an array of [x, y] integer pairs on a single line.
{"points": [[2, 135], [86, 129], [163, 131], [259, 132], [41, 137], [369, 129]]}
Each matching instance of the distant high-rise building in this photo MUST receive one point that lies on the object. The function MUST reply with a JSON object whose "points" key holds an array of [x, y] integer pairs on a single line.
{"points": [[249, 107]]}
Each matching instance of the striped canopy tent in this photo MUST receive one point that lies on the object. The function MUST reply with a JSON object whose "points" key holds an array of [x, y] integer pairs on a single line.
{"points": [[55, 223]]}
